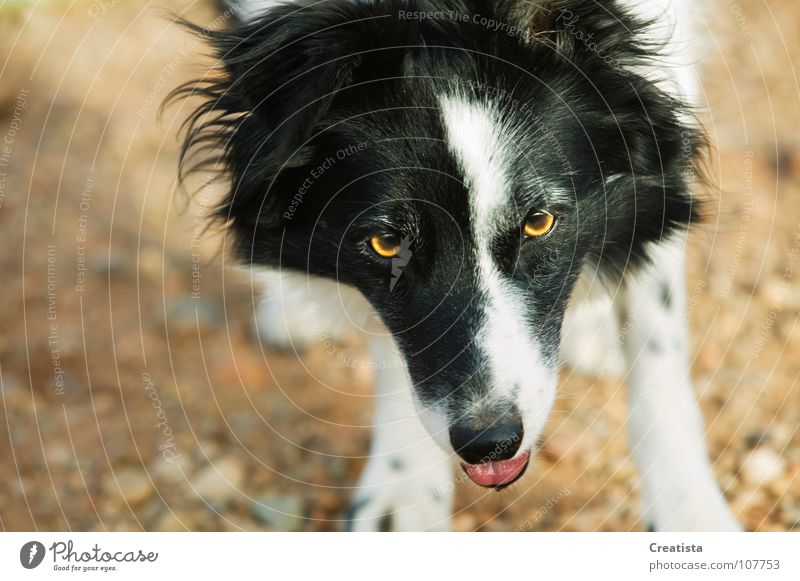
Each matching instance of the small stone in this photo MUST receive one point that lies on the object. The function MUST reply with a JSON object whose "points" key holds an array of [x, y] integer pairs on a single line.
{"points": [[10, 385], [464, 522], [191, 314], [329, 502], [280, 513], [558, 447], [134, 484], [762, 466], [209, 449], [221, 480], [174, 522], [171, 468], [59, 454], [236, 523]]}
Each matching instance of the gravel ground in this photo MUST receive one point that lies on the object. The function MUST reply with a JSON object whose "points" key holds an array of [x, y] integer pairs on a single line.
{"points": [[130, 404]]}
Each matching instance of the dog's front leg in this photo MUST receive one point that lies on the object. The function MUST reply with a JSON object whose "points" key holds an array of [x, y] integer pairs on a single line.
{"points": [[665, 427], [407, 483]]}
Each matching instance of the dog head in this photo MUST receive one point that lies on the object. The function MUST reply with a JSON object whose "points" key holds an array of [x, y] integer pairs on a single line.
{"points": [[459, 164]]}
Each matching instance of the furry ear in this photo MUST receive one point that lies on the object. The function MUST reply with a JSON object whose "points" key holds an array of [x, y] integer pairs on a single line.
{"points": [[279, 77], [651, 145]]}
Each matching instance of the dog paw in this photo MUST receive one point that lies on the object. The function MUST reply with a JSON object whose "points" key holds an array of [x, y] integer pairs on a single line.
{"points": [[396, 495], [693, 515]]}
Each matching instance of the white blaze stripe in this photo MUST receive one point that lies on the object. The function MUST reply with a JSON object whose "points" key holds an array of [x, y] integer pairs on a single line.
{"points": [[481, 147], [474, 138]]}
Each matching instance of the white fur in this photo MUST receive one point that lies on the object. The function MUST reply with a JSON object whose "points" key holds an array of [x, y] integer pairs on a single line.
{"points": [[477, 139], [665, 426], [406, 475], [589, 338], [297, 310], [675, 28], [248, 9], [482, 146]]}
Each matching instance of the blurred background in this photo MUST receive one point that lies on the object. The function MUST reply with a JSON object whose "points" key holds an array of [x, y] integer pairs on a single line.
{"points": [[134, 395]]}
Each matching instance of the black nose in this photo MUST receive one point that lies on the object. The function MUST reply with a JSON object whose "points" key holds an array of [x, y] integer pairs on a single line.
{"points": [[492, 442]]}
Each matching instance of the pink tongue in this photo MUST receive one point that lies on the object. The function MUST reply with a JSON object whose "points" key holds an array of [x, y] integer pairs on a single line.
{"points": [[496, 473]]}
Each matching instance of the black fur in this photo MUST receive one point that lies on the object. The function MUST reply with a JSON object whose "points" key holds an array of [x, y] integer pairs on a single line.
{"points": [[309, 80]]}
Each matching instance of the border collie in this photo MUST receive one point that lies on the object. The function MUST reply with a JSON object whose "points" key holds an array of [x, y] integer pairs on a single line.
{"points": [[455, 180]]}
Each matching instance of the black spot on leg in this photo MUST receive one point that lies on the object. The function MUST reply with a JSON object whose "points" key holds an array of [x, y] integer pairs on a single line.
{"points": [[386, 524], [666, 295], [397, 464], [654, 345], [350, 514]]}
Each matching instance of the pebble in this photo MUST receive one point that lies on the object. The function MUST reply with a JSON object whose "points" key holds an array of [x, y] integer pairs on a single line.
{"points": [[464, 522], [176, 468], [220, 480], [280, 513], [134, 483], [762, 466], [59, 454], [558, 447], [10, 385], [174, 522], [235, 523], [191, 314], [780, 292]]}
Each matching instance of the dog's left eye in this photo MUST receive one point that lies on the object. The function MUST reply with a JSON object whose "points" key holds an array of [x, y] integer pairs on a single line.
{"points": [[539, 223], [386, 245]]}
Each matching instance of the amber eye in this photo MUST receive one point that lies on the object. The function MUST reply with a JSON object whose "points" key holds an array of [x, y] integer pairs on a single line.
{"points": [[539, 223], [385, 245]]}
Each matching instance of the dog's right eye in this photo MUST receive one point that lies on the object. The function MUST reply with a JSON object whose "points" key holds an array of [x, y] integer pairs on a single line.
{"points": [[386, 245]]}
